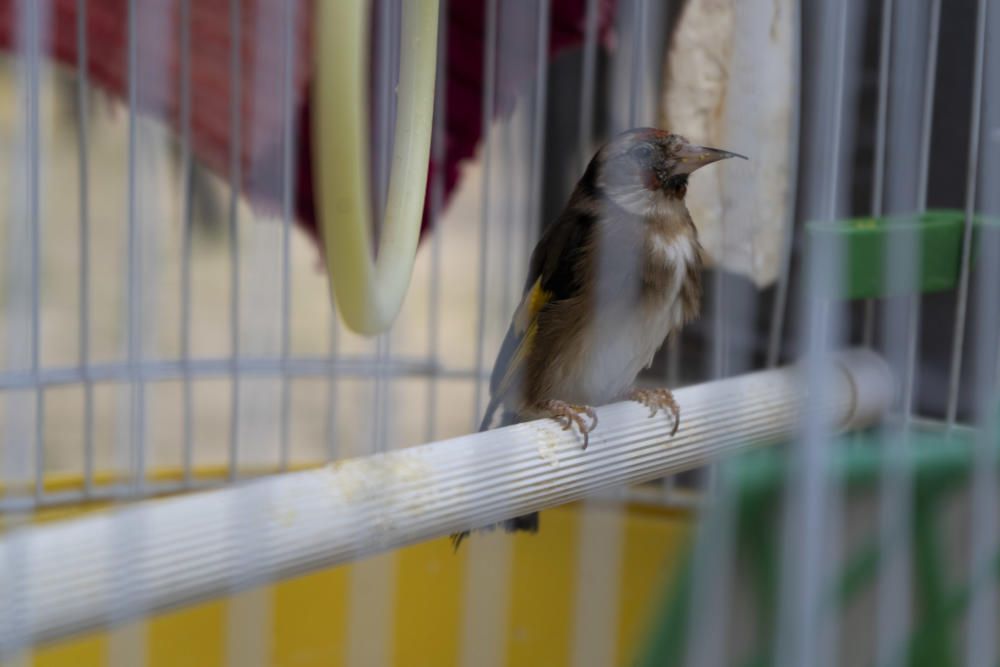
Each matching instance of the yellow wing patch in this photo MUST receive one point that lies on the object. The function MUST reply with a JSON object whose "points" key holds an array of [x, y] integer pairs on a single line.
{"points": [[533, 301], [517, 359], [524, 326]]}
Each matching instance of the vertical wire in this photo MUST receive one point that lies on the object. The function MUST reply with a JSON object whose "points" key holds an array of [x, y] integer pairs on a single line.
{"points": [[146, 93], [482, 640], [779, 308], [536, 168], [333, 395], [720, 336], [588, 76], [903, 318], [674, 360], [507, 226], [838, 121], [721, 343], [810, 534], [713, 562], [439, 157], [878, 187], [248, 628], [123, 539], [712, 580], [388, 56], [534, 173], [83, 164], [135, 277], [972, 172], [381, 139], [15, 610], [187, 396], [18, 453], [489, 96], [144, 164], [720, 349], [383, 110], [601, 533], [636, 92], [235, 178], [288, 183], [981, 641], [35, 221], [371, 592], [383, 351], [927, 120], [673, 344]]}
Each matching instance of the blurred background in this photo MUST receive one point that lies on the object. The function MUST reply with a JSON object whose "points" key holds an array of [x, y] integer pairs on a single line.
{"points": [[166, 322]]}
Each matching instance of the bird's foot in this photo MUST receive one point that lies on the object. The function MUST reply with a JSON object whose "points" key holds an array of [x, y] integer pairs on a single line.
{"points": [[570, 415], [656, 400]]}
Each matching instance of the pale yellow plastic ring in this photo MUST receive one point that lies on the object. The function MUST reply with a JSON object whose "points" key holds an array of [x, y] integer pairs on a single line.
{"points": [[369, 289]]}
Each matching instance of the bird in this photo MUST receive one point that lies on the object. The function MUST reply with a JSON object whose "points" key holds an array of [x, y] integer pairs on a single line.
{"points": [[610, 279]]}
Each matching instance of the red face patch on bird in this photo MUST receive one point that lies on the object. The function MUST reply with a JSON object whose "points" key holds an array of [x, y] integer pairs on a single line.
{"points": [[650, 180]]}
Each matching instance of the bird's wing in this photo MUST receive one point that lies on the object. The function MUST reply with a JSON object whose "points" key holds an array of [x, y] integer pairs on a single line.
{"points": [[551, 278]]}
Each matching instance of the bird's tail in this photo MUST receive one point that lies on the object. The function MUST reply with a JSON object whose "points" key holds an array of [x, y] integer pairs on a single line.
{"points": [[491, 409], [525, 522]]}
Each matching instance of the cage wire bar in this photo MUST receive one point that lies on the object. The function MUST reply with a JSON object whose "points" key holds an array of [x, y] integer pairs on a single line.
{"points": [[23, 270], [907, 154], [288, 184], [602, 519], [488, 105], [732, 315], [187, 221], [812, 525], [235, 180], [981, 640], [83, 165], [515, 36], [437, 177]]}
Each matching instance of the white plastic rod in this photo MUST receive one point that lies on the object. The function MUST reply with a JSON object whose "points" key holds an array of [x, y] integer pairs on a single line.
{"points": [[65, 578]]}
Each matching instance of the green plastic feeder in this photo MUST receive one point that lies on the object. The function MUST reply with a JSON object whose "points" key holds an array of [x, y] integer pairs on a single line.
{"points": [[864, 243]]}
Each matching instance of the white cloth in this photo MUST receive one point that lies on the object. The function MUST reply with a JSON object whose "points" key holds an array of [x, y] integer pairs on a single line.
{"points": [[732, 83]]}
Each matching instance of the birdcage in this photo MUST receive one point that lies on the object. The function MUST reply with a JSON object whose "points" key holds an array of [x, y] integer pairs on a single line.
{"points": [[259, 256]]}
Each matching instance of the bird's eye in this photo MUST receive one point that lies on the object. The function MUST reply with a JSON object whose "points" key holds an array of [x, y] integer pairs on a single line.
{"points": [[642, 153]]}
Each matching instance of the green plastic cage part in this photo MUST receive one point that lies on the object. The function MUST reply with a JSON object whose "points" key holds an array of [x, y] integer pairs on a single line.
{"points": [[940, 465], [863, 245]]}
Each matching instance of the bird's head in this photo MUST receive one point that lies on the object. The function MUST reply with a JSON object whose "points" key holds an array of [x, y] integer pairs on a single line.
{"points": [[645, 168]]}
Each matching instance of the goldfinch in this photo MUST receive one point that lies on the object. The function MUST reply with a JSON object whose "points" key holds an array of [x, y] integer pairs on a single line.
{"points": [[609, 280]]}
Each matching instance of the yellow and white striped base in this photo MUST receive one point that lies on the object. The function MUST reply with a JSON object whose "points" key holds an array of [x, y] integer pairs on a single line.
{"points": [[420, 616]]}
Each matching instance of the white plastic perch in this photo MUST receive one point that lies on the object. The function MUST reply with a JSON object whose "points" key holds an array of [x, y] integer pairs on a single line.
{"points": [[370, 294], [60, 579]]}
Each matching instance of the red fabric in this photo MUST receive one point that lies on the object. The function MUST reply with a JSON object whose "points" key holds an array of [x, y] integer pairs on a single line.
{"points": [[159, 51], [261, 62]]}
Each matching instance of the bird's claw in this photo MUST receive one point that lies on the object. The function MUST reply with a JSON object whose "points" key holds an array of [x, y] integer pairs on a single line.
{"points": [[656, 400], [570, 415], [456, 539]]}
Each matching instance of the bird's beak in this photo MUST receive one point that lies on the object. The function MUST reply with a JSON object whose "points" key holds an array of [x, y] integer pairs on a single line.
{"points": [[691, 157]]}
